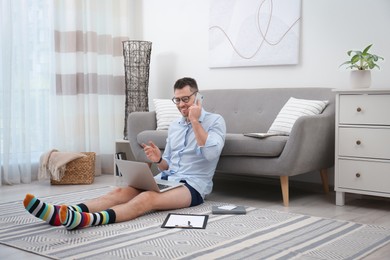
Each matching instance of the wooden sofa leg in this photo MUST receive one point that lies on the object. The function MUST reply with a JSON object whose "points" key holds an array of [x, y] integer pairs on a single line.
{"points": [[325, 181], [284, 185]]}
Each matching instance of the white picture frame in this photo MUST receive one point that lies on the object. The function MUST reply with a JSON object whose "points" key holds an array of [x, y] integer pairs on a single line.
{"points": [[254, 32]]}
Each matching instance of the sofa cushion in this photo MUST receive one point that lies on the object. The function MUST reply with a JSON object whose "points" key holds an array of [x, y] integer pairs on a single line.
{"points": [[240, 145], [292, 110], [166, 112], [235, 144]]}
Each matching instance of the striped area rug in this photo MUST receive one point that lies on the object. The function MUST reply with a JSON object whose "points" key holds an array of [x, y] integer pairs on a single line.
{"points": [[260, 234]]}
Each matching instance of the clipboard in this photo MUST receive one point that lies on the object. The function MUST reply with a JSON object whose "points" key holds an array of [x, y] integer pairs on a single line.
{"points": [[190, 221]]}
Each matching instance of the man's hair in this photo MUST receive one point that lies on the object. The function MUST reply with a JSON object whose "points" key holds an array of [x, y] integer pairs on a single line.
{"points": [[181, 83]]}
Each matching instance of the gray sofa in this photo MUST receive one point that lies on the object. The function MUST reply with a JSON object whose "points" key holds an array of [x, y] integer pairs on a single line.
{"points": [[308, 148]]}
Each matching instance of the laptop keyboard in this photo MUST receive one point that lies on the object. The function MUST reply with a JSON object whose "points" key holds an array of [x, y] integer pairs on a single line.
{"points": [[162, 186]]}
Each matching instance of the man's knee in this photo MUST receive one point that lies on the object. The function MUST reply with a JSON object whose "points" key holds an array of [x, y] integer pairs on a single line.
{"points": [[148, 196], [115, 195], [116, 191], [122, 194]]}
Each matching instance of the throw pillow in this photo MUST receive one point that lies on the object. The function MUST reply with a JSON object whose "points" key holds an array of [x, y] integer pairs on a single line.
{"points": [[166, 112], [292, 110]]}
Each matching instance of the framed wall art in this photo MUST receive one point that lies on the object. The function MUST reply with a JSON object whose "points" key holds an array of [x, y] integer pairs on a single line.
{"points": [[254, 32]]}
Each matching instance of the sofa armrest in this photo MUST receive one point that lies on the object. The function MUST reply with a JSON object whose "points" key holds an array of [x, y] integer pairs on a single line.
{"points": [[310, 145], [138, 122]]}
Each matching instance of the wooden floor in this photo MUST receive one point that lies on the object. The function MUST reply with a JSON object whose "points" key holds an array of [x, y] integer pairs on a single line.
{"points": [[265, 193]]}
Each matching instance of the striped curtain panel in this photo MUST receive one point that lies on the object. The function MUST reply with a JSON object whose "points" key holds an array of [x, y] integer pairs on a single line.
{"points": [[88, 112]]}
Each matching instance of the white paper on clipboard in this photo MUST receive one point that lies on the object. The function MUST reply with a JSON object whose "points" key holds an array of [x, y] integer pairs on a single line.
{"points": [[185, 221]]}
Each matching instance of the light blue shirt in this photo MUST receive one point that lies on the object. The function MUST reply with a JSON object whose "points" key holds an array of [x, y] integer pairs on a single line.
{"points": [[192, 163]]}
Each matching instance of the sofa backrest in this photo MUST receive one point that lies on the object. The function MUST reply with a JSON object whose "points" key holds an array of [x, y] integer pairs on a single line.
{"points": [[254, 110]]}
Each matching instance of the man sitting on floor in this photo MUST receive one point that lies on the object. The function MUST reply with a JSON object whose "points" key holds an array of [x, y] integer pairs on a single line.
{"points": [[193, 147]]}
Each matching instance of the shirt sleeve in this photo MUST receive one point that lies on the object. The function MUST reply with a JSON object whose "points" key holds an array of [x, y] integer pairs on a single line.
{"points": [[215, 140]]}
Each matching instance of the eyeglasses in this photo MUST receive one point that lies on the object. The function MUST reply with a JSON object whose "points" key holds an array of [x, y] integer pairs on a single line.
{"points": [[185, 99]]}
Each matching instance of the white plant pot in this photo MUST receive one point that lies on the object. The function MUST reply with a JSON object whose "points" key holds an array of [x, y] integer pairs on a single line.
{"points": [[360, 78]]}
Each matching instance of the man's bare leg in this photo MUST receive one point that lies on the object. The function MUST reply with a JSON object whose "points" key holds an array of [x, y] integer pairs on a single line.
{"points": [[149, 200], [140, 204], [111, 199]]}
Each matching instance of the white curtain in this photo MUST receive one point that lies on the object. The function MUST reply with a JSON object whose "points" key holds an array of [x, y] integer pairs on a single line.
{"points": [[26, 78], [62, 81]]}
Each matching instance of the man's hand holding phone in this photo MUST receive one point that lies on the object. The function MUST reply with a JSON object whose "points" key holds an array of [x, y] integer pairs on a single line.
{"points": [[196, 108]]}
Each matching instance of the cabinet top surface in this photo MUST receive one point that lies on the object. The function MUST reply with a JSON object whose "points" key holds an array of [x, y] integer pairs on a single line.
{"points": [[363, 91], [122, 141]]}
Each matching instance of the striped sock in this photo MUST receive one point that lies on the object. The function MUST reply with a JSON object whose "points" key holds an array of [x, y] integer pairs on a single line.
{"points": [[73, 219], [48, 212]]}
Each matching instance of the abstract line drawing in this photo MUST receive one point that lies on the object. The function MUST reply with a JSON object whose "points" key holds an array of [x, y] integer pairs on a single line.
{"points": [[254, 32]]}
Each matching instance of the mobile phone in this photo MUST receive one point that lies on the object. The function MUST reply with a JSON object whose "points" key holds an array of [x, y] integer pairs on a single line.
{"points": [[198, 97]]}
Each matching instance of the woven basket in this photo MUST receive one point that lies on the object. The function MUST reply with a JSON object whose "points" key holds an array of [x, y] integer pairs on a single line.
{"points": [[79, 171]]}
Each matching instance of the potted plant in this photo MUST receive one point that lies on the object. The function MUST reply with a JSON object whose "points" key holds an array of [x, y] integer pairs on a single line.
{"points": [[361, 63]]}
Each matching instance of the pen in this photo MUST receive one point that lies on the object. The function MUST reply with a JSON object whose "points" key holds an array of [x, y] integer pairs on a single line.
{"points": [[188, 225]]}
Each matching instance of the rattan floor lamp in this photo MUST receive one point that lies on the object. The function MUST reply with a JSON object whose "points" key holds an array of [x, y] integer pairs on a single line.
{"points": [[137, 60]]}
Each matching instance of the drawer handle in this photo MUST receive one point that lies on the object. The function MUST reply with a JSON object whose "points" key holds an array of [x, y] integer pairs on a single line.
{"points": [[359, 109], [358, 142], [357, 175]]}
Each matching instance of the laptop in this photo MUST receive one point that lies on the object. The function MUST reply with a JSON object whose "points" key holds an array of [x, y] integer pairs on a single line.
{"points": [[139, 175]]}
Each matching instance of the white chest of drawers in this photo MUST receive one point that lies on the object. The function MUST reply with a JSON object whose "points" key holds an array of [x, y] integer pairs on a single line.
{"points": [[362, 156]]}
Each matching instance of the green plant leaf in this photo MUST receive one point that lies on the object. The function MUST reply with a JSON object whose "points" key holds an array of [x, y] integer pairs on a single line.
{"points": [[365, 51], [355, 59], [362, 60]]}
